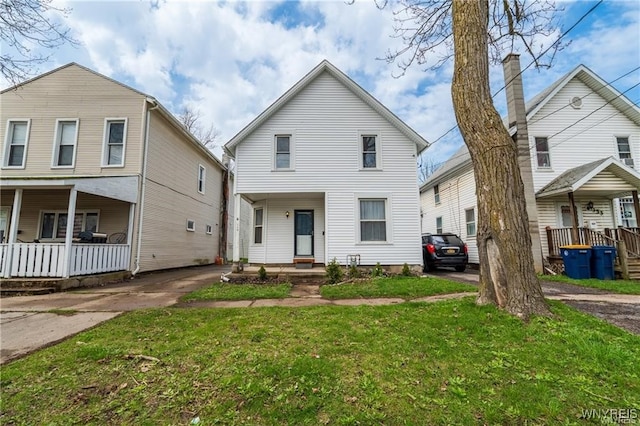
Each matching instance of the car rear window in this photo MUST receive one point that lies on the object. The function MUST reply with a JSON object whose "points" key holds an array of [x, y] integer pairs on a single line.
{"points": [[447, 239]]}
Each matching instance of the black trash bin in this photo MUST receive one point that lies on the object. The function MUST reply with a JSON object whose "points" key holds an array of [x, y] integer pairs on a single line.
{"points": [[602, 261]]}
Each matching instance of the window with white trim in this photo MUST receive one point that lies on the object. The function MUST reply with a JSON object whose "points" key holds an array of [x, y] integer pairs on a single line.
{"points": [[191, 225], [470, 219], [624, 150], [258, 221], [543, 155], [283, 152], [439, 225], [436, 194], [115, 137], [370, 151], [64, 152], [202, 175], [53, 224], [373, 220], [209, 229], [15, 143]]}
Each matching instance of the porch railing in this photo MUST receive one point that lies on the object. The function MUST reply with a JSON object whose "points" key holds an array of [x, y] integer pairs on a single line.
{"points": [[630, 236], [40, 260], [558, 237]]}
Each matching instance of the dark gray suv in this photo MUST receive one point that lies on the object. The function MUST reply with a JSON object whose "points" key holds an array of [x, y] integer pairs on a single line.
{"points": [[444, 250]]}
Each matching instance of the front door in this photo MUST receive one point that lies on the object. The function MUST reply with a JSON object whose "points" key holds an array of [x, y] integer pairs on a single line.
{"points": [[303, 239]]}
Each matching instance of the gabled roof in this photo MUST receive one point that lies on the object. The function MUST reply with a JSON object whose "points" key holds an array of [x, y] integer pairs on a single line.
{"points": [[462, 158], [73, 64], [153, 101], [326, 66], [574, 179]]}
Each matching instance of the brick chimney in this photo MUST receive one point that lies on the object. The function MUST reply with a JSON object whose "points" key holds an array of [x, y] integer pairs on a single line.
{"points": [[517, 115]]}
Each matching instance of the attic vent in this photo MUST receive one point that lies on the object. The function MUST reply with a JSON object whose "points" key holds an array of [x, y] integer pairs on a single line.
{"points": [[576, 102]]}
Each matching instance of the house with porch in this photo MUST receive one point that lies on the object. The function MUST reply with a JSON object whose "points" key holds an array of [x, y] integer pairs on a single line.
{"points": [[330, 173], [581, 149], [99, 177]]}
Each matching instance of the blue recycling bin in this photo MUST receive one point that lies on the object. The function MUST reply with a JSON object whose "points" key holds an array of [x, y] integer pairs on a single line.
{"points": [[602, 261], [577, 261]]}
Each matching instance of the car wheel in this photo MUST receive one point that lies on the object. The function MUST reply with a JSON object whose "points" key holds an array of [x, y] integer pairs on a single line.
{"points": [[461, 268], [427, 268]]}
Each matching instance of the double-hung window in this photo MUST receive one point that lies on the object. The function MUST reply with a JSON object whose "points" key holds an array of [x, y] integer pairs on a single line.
{"points": [[53, 224], [64, 153], [439, 225], [202, 175], [542, 153], [258, 220], [470, 218], [283, 152], [370, 151], [373, 220], [16, 143], [624, 150], [115, 137], [436, 194]]}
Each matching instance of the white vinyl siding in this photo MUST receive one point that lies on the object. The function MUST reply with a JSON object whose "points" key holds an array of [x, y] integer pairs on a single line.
{"points": [[327, 120], [66, 139], [115, 142], [16, 142]]}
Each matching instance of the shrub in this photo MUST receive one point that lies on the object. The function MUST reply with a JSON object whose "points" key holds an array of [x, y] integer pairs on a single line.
{"points": [[406, 271], [354, 272], [334, 272], [262, 274], [377, 271]]}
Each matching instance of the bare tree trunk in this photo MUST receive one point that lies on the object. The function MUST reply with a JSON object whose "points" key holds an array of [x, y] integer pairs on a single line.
{"points": [[507, 274]]}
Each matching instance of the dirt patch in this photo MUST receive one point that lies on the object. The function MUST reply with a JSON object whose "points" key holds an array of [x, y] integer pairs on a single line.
{"points": [[623, 315]]}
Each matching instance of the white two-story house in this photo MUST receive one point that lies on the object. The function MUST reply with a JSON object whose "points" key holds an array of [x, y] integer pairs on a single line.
{"points": [[330, 174], [142, 192], [584, 155]]}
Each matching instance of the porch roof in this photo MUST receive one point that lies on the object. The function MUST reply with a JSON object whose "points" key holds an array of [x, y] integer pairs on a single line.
{"points": [[123, 188], [607, 178]]}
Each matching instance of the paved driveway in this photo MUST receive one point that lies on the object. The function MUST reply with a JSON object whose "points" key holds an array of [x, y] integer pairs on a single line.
{"points": [[30, 322]]}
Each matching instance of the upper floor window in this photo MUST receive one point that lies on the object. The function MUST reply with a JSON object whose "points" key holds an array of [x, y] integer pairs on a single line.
{"points": [[257, 225], [439, 225], [115, 135], [542, 153], [64, 152], [373, 222], [15, 143], [283, 151], [436, 194], [370, 151], [53, 224], [624, 150], [470, 218], [202, 174]]}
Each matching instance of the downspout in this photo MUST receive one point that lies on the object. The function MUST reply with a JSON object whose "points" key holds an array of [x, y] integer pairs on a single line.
{"points": [[144, 182]]}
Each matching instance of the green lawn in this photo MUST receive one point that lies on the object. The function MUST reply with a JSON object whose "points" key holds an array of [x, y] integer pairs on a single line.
{"points": [[415, 363], [403, 287], [227, 291], [614, 286]]}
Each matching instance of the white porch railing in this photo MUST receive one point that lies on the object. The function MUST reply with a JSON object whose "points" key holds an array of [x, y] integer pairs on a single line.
{"points": [[47, 259]]}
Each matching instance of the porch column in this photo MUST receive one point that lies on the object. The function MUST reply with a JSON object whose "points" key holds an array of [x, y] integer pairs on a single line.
{"points": [[132, 214], [13, 232], [236, 233], [636, 206], [574, 220], [71, 216]]}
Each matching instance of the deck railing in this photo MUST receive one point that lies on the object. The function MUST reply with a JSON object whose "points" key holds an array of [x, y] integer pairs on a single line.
{"points": [[631, 237], [558, 237], [46, 260]]}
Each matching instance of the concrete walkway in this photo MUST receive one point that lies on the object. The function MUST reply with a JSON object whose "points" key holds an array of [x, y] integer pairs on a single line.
{"points": [[28, 323]]}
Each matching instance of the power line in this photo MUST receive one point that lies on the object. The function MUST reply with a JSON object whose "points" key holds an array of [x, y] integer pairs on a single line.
{"points": [[532, 62]]}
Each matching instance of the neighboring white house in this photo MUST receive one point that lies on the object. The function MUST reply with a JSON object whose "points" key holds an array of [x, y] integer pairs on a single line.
{"points": [[584, 154], [330, 173], [76, 144]]}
